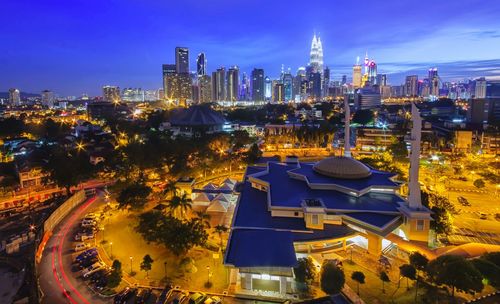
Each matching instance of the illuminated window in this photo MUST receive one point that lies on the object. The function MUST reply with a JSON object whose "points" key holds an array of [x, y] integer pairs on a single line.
{"points": [[315, 219]]}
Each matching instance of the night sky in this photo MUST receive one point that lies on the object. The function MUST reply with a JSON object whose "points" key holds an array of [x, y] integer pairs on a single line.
{"points": [[76, 46]]}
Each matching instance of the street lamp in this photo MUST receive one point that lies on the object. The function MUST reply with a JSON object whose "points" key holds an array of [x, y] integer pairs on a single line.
{"points": [[111, 249], [165, 267], [131, 258], [208, 273]]}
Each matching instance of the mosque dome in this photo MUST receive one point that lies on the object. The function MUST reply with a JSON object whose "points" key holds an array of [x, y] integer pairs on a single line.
{"points": [[342, 167]]}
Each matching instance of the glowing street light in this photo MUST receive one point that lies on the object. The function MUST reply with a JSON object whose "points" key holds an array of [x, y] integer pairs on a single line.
{"points": [[131, 259]]}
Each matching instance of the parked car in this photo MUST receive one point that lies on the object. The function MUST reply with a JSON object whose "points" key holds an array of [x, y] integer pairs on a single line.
{"points": [[163, 296], [463, 201], [197, 298], [81, 246], [483, 216], [92, 269], [88, 262], [124, 295], [143, 296], [213, 300], [88, 222], [179, 298], [82, 236], [86, 254]]}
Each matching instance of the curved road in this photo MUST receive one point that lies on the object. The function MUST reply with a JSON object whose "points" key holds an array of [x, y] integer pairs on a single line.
{"points": [[59, 281]]}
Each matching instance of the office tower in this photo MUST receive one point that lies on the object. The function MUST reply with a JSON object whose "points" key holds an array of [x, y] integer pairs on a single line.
{"points": [[268, 88], [344, 79], [316, 55], [133, 95], [326, 81], [493, 89], [218, 84], [433, 82], [411, 85], [168, 71], [205, 85], [288, 86], [48, 98], [185, 90], [245, 93], [381, 79], [233, 80], [201, 65], [356, 76], [480, 88], [367, 98], [111, 93], [258, 85], [279, 92], [372, 72], [182, 60], [315, 85], [14, 97]]}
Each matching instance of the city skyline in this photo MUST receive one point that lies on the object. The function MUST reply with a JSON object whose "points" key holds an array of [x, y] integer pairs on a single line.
{"points": [[110, 51]]}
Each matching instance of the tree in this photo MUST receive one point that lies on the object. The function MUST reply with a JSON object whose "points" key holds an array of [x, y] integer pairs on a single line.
{"points": [[203, 217], [332, 278], [493, 257], [179, 205], [363, 117], [488, 270], [409, 272], [115, 277], [170, 188], [146, 264], [455, 272], [419, 261], [384, 278], [359, 277], [305, 272], [220, 229], [479, 183], [253, 154], [442, 211], [398, 149], [134, 196]]}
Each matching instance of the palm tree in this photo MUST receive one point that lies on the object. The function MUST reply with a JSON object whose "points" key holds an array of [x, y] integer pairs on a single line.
{"points": [[220, 229], [179, 205], [204, 218], [170, 188]]}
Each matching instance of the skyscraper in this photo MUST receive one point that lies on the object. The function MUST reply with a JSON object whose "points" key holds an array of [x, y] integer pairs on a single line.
{"points": [[356, 76], [434, 82], [14, 97], [258, 85], [268, 88], [326, 81], [48, 98], [201, 65], [233, 80], [245, 93], [411, 85], [182, 60], [315, 85], [279, 92], [168, 71], [288, 86], [480, 88], [316, 55], [205, 85], [111, 93], [218, 84]]}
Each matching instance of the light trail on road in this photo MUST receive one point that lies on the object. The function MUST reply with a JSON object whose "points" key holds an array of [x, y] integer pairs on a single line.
{"points": [[60, 241]]}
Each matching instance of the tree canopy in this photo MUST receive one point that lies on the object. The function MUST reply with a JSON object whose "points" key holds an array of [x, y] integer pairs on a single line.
{"points": [[134, 196], [332, 278]]}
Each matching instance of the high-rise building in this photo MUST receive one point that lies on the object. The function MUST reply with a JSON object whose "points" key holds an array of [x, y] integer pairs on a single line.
{"points": [[111, 93], [411, 85], [279, 92], [326, 81], [245, 92], [233, 80], [316, 55], [48, 98], [381, 79], [356, 76], [433, 82], [288, 86], [344, 79], [372, 72], [218, 84], [258, 85], [315, 85], [205, 85], [14, 97], [133, 95], [201, 65], [268, 88], [182, 60], [367, 98], [168, 71], [480, 88]]}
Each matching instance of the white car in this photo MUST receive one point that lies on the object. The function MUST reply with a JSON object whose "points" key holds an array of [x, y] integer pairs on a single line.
{"points": [[81, 246], [92, 269]]}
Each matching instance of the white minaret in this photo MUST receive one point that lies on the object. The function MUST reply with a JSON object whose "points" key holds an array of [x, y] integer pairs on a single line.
{"points": [[413, 184], [347, 128]]}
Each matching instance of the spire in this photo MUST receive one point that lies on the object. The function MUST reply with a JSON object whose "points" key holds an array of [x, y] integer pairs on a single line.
{"points": [[413, 184], [347, 128]]}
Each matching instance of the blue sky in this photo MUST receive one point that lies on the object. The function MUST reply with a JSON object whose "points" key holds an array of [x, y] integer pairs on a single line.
{"points": [[76, 46]]}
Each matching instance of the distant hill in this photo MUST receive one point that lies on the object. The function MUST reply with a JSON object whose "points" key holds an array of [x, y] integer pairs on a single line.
{"points": [[24, 95]]}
